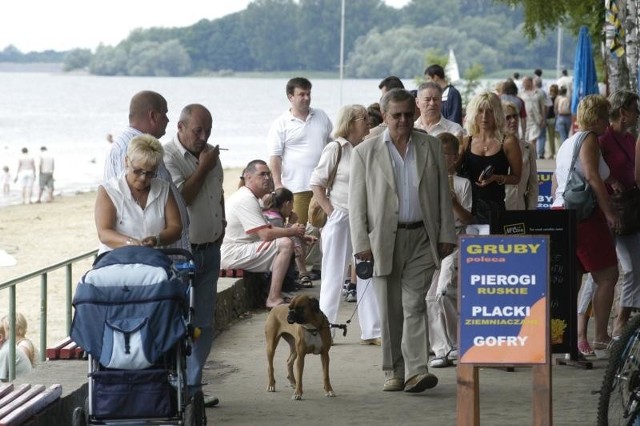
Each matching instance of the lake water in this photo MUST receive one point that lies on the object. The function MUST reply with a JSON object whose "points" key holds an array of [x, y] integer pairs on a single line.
{"points": [[72, 114]]}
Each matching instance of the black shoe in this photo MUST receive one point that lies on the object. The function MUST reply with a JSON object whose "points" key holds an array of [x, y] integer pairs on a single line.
{"points": [[211, 401]]}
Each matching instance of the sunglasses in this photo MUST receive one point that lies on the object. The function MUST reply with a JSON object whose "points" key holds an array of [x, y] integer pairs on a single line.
{"points": [[145, 173]]}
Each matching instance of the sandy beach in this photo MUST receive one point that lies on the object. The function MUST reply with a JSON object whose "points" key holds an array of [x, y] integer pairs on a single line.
{"points": [[41, 235]]}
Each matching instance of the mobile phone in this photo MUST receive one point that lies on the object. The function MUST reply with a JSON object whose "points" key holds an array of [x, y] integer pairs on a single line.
{"points": [[486, 173]]}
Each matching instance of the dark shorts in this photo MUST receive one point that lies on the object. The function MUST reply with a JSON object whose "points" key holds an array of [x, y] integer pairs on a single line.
{"points": [[46, 180], [596, 248]]}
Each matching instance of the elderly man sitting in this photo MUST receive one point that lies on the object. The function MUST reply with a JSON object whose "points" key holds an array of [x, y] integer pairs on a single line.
{"points": [[250, 243]]}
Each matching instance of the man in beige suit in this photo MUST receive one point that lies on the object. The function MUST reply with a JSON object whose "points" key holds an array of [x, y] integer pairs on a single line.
{"points": [[401, 217]]}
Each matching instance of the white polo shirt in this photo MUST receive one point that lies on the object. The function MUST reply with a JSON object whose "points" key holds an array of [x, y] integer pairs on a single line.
{"points": [[299, 143]]}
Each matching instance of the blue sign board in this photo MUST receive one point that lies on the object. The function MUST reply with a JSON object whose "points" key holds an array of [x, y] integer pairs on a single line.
{"points": [[504, 299]]}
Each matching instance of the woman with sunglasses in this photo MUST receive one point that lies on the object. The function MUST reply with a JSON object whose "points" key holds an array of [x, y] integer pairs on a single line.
{"points": [[135, 208], [523, 196]]}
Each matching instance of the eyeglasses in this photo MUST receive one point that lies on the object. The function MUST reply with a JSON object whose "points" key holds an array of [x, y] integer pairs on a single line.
{"points": [[427, 100], [145, 173], [511, 117]]}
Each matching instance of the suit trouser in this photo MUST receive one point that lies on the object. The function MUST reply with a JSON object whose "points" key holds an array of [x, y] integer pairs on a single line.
{"points": [[442, 307], [401, 296], [205, 290], [336, 255]]}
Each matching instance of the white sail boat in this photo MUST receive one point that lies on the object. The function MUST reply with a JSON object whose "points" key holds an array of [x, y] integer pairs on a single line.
{"points": [[451, 70]]}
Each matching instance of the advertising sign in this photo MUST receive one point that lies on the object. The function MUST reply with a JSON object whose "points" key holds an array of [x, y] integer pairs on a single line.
{"points": [[504, 299], [545, 197]]}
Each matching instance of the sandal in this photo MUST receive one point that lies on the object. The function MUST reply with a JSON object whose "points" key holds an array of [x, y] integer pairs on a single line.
{"points": [[584, 348], [601, 349], [306, 282]]}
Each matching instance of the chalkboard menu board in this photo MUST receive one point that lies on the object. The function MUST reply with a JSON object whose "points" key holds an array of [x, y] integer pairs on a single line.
{"points": [[560, 225]]}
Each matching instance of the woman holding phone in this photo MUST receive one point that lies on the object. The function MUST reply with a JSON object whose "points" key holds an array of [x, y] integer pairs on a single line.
{"points": [[489, 157]]}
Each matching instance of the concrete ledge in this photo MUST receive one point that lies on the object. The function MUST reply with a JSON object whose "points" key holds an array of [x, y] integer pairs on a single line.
{"points": [[236, 296]]}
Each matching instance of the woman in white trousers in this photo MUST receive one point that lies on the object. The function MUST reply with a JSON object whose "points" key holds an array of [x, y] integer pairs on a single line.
{"points": [[330, 185]]}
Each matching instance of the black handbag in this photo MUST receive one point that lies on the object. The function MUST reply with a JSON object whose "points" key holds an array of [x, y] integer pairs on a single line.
{"points": [[577, 194], [627, 205]]}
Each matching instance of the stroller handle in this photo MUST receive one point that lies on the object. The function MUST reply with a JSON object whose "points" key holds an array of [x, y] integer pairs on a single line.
{"points": [[177, 252]]}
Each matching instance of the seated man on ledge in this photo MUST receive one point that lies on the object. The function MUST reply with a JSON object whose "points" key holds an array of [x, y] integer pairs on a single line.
{"points": [[250, 243]]}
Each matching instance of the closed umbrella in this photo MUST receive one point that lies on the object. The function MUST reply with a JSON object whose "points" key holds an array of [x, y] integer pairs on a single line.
{"points": [[585, 79]]}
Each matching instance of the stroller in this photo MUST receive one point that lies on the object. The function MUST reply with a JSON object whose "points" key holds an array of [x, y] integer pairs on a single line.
{"points": [[133, 319]]}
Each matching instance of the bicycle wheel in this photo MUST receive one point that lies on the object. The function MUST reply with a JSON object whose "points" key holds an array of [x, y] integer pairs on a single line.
{"points": [[620, 392]]}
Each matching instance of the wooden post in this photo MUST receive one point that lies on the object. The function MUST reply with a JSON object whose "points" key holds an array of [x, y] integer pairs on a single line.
{"points": [[542, 400], [468, 398]]}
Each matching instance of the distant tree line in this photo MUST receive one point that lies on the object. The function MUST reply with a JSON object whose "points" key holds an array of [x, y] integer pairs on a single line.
{"points": [[283, 35]]}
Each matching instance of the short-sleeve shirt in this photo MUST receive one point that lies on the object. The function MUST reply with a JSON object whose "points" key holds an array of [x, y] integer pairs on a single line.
{"points": [[205, 210], [299, 143], [244, 218]]}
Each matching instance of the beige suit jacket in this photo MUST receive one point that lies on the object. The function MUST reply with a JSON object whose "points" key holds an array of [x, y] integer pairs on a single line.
{"points": [[374, 205]]}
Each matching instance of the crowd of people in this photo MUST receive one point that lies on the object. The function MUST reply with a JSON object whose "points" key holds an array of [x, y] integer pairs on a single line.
{"points": [[26, 174], [399, 180]]}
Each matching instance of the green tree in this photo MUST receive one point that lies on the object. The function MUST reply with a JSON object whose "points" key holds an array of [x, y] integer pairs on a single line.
{"points": [[109, 60], [272, 32], [76, 59]]}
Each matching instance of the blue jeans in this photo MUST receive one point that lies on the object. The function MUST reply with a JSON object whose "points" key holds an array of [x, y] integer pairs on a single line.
{"points": [[205, 289], [563, 127]]}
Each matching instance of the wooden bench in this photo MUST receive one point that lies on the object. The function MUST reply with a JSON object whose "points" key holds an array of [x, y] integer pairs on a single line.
{"points": [[231, 273], [19, 403], [65, 349]]}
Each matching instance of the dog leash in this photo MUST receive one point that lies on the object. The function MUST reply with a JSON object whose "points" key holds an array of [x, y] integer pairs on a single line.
{"points": [[358, 302]]}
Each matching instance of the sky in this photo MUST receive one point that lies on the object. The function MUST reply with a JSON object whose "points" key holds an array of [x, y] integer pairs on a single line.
{"points": [[37, 25]]}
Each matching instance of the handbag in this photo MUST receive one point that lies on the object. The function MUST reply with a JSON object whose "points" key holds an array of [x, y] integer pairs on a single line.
{"points": [[577, 194], [317, 215], [627, 205]]}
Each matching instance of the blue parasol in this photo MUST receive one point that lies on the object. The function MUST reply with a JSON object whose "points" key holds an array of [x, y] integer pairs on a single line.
{"points": [[585, 79]]}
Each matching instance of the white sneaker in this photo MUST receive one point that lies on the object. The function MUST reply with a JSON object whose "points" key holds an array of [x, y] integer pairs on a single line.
{"points": [[452, 355], [439, 362]]}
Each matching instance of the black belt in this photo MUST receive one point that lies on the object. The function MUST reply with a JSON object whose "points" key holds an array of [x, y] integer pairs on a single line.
{"points": [[412, 225], [203, 246]]}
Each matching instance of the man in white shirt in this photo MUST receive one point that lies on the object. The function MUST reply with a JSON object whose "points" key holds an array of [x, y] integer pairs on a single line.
{"points": [[429, 101], [251, 243], [296, 140], [197, 173]]}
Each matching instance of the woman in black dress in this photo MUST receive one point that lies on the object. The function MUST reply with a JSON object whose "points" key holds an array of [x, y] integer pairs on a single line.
{"points": [[489, 158]]}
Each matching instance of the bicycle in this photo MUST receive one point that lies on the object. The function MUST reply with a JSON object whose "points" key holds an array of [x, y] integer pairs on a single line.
{"points": [[619, 402]]}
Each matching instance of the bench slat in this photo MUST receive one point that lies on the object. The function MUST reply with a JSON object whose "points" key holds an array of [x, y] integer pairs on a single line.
{"points": [[36, 389], [8, 398], [32, 406]]}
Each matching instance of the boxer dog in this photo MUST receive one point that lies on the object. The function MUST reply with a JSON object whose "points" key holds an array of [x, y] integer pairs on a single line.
{"points": [[303, 325]]}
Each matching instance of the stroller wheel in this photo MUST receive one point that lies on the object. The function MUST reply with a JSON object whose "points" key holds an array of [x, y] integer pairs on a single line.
{"points": [[194, 412]]}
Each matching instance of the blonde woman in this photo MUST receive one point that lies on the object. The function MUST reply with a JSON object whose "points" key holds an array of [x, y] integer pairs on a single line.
{"points": [[488, 146], [136, 208], [523, 196]]}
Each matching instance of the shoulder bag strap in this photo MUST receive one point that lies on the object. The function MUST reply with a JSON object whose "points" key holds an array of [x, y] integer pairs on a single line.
{"points": [[332, 175], [576, 149]]}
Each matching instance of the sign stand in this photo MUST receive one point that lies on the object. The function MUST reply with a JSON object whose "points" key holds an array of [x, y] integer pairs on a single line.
{"points": [[560, 226], [504, 317]]}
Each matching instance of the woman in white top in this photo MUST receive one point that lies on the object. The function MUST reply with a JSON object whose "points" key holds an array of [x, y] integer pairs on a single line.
{"points": [[351, 128], [135, 208], [595, 248], [523, 196], [26, 174]]}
